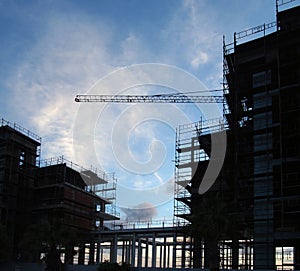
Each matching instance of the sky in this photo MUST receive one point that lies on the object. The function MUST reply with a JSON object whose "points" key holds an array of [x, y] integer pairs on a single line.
{"points": [[51, 50]]}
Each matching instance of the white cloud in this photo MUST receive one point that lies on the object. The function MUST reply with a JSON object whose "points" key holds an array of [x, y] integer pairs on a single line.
{"points": [[131, 49], [195, 41], [200, 58], [71, 54]]}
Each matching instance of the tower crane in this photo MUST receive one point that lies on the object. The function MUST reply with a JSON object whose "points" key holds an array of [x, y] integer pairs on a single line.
{"points": [[157, 98]]}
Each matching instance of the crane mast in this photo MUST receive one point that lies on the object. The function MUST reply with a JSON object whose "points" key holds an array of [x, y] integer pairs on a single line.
{"points": [[159, 98]]}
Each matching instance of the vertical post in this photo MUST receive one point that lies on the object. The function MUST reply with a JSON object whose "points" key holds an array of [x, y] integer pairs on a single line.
{"points": [[128, 251], [81, 254], [174, 251], [133, 251], [98, 250], [169, 252], [92, 252], [146, 252], [165, 252], [183, 252], [160, 256], [114, 249], [246, 255], [235, 253], [140, 253], [297, 256], [69, 254], [123, 251], [153, 251]]}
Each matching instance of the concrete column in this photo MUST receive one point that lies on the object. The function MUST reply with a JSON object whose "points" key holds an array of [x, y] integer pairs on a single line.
{"points": [[128, 251], [98, 250], [153, 251], [198, 262], [114, 249], [69, 254], [140, 253], [246, 255], [146, 252], [235, 253], [81, 254], [133, 251], [168, 259], [183, 252], [160, 256], [297, 256], [174, 250], [123, 251], [165, 252], [206, 262], [191, 255], [92, 252]]}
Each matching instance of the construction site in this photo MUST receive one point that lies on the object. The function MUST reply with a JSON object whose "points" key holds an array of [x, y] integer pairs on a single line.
{"points": [[261, 79], [248, 219]]}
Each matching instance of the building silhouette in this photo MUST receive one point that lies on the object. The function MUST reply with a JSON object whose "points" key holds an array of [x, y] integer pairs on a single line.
{"points": [[52, 192], [262, 165], [258, 183]]}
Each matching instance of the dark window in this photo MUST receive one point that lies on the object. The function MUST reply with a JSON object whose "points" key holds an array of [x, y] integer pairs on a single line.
{"points": [[261, 79]]}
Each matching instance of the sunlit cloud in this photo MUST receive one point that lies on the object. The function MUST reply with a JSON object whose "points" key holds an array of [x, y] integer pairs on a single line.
{"points": [[70, 52]]}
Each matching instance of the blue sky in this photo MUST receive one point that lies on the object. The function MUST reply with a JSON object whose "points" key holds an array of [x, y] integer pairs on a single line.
{"points": [[51, 50]]}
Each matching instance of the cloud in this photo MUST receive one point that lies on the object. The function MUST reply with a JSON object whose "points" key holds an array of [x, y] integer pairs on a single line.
{"points": [[69, 55], [144, 211], [131, 49], [194, 38], [200, 58]]}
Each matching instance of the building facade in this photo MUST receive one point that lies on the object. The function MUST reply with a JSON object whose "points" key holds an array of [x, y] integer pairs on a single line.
{"points": [[53, 192], [261, 171], [19, 160], [263, 79]]}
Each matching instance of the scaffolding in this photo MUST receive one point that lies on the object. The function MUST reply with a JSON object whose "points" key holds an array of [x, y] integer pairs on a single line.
{"points": [[261, 118], [259, 79], [262, 160], [97, 181], [190, 152]]}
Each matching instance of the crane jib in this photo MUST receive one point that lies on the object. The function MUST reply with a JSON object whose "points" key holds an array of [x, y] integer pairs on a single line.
{"points": [[148, 99]]}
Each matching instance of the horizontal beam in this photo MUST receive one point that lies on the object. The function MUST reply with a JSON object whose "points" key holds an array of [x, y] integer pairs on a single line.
{"points": [[163, 98]]}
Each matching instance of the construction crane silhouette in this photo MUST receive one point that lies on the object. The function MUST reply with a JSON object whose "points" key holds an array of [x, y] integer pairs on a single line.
{"points": [[157, 98]]}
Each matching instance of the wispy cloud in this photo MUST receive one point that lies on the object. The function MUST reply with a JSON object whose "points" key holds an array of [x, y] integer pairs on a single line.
{"points": [[192, 32], [70, 54]]}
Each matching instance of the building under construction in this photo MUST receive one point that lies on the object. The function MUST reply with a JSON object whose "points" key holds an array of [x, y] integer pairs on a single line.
{"points": [[52, 192], [261, 171], [257, 189]]}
